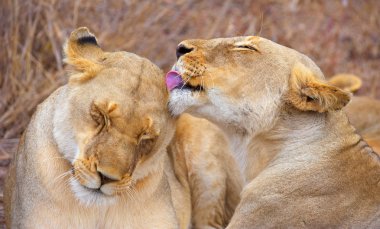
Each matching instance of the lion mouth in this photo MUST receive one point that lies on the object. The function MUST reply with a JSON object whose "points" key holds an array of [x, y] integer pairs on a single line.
{"points": [[174, 80]]}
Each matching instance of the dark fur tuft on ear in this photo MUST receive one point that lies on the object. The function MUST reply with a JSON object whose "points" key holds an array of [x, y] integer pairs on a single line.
{"points": [[308, 93], [88, 40], [83, 53], [83, 36]]}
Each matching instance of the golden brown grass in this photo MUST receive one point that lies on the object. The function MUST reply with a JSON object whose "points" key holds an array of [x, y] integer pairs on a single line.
{"points": [[341, 36]]}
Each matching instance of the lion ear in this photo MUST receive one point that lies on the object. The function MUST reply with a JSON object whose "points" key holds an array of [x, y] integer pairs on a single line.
{"points": [[346, 82], [307, 93], [83, 53]]}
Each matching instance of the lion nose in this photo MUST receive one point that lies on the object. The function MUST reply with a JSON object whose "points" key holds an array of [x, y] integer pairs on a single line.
{"points": [[182, 49], [108, 176]]}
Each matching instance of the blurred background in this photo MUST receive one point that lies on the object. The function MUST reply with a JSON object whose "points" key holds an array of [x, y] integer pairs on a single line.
{"points": [[341, 36]]}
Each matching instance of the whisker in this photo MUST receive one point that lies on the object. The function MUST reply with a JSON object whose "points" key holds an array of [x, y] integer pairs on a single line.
{"points": [[190, 74], [52, 158], [202, 85], [262, 22], [63, 175], [59, 177], [73, 178], [186, 81]]}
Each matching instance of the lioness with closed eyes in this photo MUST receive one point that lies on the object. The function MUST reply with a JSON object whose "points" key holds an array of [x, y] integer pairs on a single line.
{"points": [[94, 154], [305, 164]]}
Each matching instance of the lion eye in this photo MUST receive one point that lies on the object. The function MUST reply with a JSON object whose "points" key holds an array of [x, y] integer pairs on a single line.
{"points": [[250, 47], [101, 120], [145, 144], [145, 136]]}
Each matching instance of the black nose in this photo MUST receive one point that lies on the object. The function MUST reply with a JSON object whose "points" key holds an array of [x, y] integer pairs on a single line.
{"points": [[182, 50]]}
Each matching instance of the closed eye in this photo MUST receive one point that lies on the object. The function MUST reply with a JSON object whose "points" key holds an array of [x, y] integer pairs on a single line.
{"points": [[249, 47], [144, 136], [145, 145]]}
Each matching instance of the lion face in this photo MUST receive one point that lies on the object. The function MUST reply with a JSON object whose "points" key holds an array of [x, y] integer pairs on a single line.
{"points": [[222, 76], [118, 127], [241, 82]]}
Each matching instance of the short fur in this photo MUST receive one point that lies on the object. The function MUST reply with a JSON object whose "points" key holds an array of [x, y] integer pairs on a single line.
{"points": [[363, 112], [202, 161], [94, 154], [347, 82], [272, 101]]}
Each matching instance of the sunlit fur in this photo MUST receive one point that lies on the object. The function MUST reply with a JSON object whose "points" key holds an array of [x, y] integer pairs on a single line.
{"points": [[304, 163], [112, 119], [347, 82], [203, 161], [363, 112]]}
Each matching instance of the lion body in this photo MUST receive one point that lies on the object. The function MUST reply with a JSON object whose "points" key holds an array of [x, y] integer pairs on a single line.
{"points": [[305, 165], [95, 153], [364, 114], [202, 159]]}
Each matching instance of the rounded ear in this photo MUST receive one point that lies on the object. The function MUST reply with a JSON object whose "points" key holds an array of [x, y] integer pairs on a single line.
{"points": [[346, 82], [308, 93], [83, 53]]}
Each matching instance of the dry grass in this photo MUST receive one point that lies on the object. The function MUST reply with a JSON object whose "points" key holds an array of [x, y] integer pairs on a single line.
{"points": [[341, 36]]}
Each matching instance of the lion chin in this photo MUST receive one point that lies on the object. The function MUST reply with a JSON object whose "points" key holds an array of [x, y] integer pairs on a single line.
{"points": [[90, 197]]}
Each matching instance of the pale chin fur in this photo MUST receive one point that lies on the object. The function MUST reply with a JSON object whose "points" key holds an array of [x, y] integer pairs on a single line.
{"points": [[217, 109], [88, 197], [244, 117], [181, 100]]}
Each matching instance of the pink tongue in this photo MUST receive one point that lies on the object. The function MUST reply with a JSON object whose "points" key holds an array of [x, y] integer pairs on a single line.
{"points": [[173, 80]]}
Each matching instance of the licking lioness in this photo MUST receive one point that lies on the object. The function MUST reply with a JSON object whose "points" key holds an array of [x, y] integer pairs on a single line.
{"points": [[94, 154], [306, 165]]}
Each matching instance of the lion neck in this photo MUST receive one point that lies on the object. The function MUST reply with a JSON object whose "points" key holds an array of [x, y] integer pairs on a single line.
{"points": [[295, 135]]}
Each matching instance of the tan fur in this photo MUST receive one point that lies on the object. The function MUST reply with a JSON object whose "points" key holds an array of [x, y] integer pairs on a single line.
{"points": [[347, 82], [271, 100], [94, 154], [308, 94], [201, 156], [363, 112]]}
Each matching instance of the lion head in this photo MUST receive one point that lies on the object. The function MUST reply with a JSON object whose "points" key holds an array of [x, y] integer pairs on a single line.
{"points": [[243, 82], [113, 124]]}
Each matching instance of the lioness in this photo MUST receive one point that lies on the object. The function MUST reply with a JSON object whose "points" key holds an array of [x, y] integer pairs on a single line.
{"points": [[94, 154], [273, 103]]}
